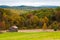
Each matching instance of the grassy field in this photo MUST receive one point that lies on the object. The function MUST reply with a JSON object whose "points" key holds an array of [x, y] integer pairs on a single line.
{"points": [[30, 36]]}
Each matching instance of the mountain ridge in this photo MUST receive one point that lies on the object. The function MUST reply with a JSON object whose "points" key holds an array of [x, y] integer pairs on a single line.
{"points": [[27, 7]]}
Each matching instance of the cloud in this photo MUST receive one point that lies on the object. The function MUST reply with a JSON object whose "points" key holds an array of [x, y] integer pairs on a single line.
{"points": [[30, 2]]}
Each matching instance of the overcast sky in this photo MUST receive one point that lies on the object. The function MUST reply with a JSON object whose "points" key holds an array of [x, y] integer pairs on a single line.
{"points": [[30, 2]]}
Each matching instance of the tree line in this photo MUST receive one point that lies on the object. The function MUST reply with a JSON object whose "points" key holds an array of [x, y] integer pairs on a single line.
{"points": [[46, 18]]}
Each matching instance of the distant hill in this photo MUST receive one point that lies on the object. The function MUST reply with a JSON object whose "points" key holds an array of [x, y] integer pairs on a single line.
{"points": [[4, 6], [27, 7]]}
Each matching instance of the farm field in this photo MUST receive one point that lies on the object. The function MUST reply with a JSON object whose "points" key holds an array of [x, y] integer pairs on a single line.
{"points": [[30, 36]]}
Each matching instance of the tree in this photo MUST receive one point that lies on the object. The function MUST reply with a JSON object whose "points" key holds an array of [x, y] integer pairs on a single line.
{"points": [[57, 13], [2, 22], [44, 26]]}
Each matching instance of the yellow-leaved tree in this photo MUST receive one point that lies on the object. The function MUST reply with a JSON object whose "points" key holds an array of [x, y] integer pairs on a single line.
{"points": [[44, 26], [45, 21]]}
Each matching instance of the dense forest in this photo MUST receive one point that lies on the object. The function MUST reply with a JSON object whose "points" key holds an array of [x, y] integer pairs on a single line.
{"points": [[45, 18]]}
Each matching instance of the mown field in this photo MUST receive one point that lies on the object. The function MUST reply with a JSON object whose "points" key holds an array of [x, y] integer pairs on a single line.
{"points": [[30, 36]]}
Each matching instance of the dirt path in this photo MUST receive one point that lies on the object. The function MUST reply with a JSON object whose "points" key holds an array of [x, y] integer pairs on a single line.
{"points": [[35, 30]]}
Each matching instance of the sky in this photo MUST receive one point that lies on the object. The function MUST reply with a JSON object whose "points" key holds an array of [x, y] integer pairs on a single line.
{"points": [[30, 2]]}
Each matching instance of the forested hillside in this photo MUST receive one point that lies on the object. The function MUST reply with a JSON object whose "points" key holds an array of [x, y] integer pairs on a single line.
{"points": [[46, 18]]}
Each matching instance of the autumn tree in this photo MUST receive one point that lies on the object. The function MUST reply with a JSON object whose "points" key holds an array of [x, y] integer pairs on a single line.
{"points": [[44, 26], [57, 12]]}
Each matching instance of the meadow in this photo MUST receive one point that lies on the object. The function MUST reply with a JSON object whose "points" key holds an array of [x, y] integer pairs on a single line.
{"points": [[30, 36]]}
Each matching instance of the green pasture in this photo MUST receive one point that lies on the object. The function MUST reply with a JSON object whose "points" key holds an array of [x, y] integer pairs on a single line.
{"points": [[30, 36]]}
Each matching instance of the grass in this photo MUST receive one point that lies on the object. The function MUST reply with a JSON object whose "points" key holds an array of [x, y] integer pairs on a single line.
{"points": [[30, 36]]}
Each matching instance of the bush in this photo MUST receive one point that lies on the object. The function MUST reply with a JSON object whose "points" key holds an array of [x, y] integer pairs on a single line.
{"points": [[55, 26]]}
